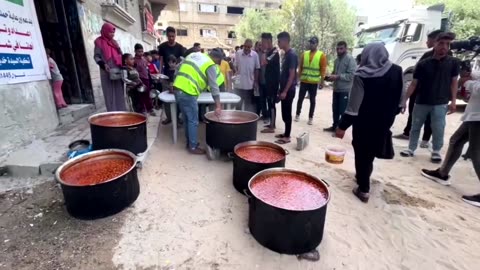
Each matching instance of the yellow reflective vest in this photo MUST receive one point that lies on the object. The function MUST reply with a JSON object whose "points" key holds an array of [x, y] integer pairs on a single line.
{"points": [[311, 70], [192, 75]]}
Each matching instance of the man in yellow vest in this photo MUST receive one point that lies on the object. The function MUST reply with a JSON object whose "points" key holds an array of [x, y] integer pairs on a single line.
{"points": [[197, 73], [312, 68]]}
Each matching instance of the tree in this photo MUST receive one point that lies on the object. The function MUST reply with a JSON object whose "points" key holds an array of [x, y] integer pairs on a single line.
{"points": [[254, 23], [329, 20], [465, 16]]}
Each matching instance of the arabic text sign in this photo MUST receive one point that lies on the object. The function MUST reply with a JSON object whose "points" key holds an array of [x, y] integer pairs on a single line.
{"points": [[22, 55]]}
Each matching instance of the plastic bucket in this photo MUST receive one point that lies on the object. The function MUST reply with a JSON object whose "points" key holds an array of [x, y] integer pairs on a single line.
{"points": [[335, 154]]}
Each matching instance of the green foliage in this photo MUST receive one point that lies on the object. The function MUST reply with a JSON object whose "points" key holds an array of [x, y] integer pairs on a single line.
{"points": [[329, 20], [466, 19]]}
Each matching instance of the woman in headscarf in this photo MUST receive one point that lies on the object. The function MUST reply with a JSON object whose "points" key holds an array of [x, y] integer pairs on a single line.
{"points": [[374, 103], [108, 56]]}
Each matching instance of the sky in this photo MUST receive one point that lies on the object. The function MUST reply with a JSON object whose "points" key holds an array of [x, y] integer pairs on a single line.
{"points": [[371, 8]]}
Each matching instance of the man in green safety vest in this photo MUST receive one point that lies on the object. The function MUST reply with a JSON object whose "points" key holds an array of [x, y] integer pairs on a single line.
{"points": [[196, 74], [312, 68]]}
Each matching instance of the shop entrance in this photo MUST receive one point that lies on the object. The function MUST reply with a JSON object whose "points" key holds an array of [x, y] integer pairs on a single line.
{"points": [[61, 32]]}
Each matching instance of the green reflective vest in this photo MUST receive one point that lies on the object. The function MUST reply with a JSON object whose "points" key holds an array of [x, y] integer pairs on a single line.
{"points": [[192, 75], [311, 70]]}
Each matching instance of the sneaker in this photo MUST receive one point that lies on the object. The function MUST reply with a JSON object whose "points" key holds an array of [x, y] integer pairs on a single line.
{"points": [[310, 121], [473, 200], [330, 129], [407, 153], [436, 158], [401, 137], [436, 176], [197, 151], [297, 118], [424, 144]]}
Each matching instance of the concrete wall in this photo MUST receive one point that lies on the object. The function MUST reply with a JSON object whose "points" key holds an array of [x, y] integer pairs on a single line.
{"points": [[27, 111], [91, 20]]}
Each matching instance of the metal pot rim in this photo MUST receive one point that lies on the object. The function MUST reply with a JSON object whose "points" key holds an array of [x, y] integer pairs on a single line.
{"points": [[215, 119], [272, 170], [259, 143], [116, 113], [88, 155]]}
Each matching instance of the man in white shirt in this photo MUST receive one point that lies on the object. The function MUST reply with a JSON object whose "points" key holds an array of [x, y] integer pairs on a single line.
{"points": [[469, 131], [247, 67]]}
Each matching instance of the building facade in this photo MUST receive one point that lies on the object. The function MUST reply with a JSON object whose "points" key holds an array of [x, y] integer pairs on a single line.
{"points": [[68, 28], [210, 22]]}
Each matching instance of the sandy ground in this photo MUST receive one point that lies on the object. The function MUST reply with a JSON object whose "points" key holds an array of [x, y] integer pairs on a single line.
{"points": [[189, 216]]}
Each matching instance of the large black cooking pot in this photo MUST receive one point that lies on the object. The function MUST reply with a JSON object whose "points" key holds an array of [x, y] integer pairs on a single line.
{"points": [[119, 130], [244, 170], [103, 199], [230, 129], [286, 231]]}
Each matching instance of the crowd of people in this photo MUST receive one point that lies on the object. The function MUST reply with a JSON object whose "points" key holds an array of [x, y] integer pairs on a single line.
{"points": [[368, 93]]}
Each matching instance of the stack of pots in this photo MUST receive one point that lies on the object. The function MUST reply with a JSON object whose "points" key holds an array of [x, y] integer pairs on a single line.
{"points": [[119, 130]]}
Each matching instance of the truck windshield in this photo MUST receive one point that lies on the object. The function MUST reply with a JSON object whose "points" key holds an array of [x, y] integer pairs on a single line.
{"points": [[385, 34]]}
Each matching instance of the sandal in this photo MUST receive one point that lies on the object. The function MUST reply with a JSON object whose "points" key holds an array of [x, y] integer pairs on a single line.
{"points": [[283, 141], [280, 136], [268, 130]]}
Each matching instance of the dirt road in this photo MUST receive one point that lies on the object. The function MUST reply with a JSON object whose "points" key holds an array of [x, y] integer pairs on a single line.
{"points": [[189, 216]]}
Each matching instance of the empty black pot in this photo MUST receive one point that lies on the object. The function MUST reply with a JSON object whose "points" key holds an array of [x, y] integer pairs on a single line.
{"points": [[281, 230]]}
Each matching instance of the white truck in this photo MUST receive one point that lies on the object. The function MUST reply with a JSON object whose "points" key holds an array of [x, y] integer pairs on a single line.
{"points": [[404, 34]]}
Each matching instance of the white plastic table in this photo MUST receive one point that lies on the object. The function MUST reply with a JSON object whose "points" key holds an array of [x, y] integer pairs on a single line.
{"points": [[205, 98]]}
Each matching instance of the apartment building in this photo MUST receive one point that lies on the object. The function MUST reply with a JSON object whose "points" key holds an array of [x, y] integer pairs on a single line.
{"points": [[210, 22]]}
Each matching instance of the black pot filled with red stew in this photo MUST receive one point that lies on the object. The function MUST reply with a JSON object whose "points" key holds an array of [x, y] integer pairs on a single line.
{"points": [[287, 210], [230, 128], [99, 183], [252, 157], [119, 130]]}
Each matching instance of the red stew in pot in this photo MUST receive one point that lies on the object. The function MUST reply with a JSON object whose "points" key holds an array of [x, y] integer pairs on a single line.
{"points": [[259, 154], [92, 172], [289, 191], [119, 120]]}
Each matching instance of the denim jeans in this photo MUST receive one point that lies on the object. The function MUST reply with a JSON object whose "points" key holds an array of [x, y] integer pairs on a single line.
{"points": [[437, 115], [189, 106], [339, 105]]}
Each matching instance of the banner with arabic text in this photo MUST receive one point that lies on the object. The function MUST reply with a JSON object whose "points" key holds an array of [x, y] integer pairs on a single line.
{"points": [[22, 54]]}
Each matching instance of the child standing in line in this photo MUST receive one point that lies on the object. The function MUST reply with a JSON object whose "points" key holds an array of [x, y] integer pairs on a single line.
{"points": [[57, 81], [132, 79], [141, 65], [156, 59], [152, 68]]}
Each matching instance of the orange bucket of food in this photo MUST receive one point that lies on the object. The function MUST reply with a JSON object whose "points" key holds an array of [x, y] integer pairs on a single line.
{"points": [[335, 154]]}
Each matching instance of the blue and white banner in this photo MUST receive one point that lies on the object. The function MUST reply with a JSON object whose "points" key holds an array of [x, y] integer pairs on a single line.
{"points": [[22, 54]]}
